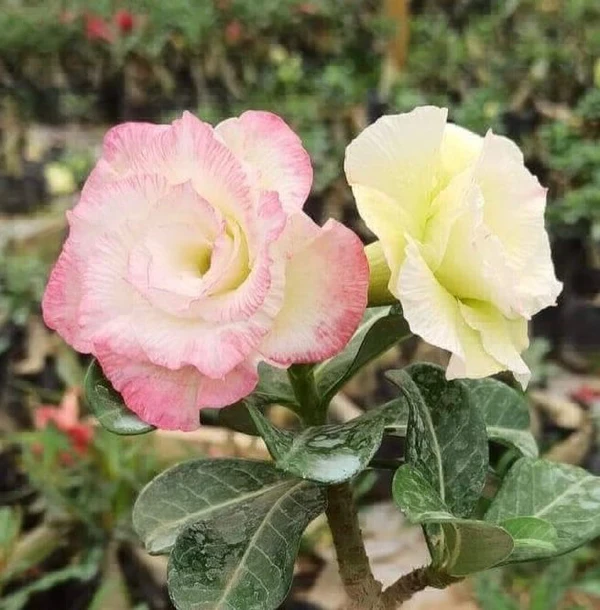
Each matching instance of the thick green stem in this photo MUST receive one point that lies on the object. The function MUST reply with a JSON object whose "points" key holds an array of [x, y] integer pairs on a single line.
{"points": [[361, 588], [302, 378]]}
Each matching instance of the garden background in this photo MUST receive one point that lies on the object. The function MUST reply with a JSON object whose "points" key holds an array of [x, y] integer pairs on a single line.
{"points": [[69, 69]]}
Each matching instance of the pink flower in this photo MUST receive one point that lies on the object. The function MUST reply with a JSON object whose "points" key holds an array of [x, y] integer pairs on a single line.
{"points": [[233, 32], [189, 260], [97, 28]]}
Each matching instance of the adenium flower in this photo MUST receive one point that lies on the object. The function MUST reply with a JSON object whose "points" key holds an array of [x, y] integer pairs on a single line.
{"points": [[189, 260], [96, 28], [124, 20], [461, 225]]}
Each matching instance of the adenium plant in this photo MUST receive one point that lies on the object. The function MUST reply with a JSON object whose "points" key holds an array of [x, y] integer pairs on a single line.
{"points": [[204, 292]]}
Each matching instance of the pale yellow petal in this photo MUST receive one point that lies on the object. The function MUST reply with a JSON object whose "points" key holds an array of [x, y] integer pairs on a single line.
{"points": [[431, 311], [459, 151], [514, 213], [399, 155], [388, 221], [459, 196], [434, 314], [496, 335]]}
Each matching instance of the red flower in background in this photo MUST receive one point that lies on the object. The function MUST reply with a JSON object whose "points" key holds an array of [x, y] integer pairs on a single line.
{"points": [[66, 418], [586, 395], [124, 21], [233, 32], [96, 28]]}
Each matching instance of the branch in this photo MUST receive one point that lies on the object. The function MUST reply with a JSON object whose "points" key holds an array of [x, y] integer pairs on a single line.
{"points": [[410, 584], [361, 588]]}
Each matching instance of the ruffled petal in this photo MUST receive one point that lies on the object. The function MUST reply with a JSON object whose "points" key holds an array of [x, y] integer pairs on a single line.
{"points": [[399, 156], [435, 315], [388, 221], [514, 212], [274, 152], [115, 316], [459, 150], [105, 205], [172, 399], [62, 297], [325, 293], [496, 336], [127, 149], [430, 310]]}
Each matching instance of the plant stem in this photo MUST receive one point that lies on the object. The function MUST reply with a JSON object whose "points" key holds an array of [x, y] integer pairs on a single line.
{"points": [[361, 588], [302, 378], [363, 591], [410, 584]]}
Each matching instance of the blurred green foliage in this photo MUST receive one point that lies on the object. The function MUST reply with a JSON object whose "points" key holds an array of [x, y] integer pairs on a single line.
{"points": [[529, 69], [22, 282], [570, 582]]}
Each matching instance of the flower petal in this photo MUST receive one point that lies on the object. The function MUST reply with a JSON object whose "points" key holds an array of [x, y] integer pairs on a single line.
{"points": [[321, 309], [126, 148], [115, 316], [105, 205], [430, 310], [514, 212], [266, 143], [459, 150], [496, 336], [388, 221], [434, 314], [399, 156], [172, 399], [62, 297]]}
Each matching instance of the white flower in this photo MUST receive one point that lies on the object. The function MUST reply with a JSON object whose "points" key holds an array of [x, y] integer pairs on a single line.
{"points": [[461, 223]]}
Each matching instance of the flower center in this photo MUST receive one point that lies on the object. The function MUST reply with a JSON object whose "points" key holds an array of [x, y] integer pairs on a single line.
{"points": [[197, 258]]}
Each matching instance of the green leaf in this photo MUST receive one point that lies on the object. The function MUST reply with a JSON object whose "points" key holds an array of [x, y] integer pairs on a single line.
{"points": [[326, 454], [417, 499], [473, 546], [10, 527], [198, 490], [397, 411], [506, 414], [531, 536], [242, 556], [273, 387], [379, 330], [108, 406], [235, 417], [446, 439], [566, 496], [459, 546]]}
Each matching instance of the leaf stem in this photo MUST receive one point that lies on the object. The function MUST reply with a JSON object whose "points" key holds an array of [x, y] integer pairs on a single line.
{"points": [[361, 588]]}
